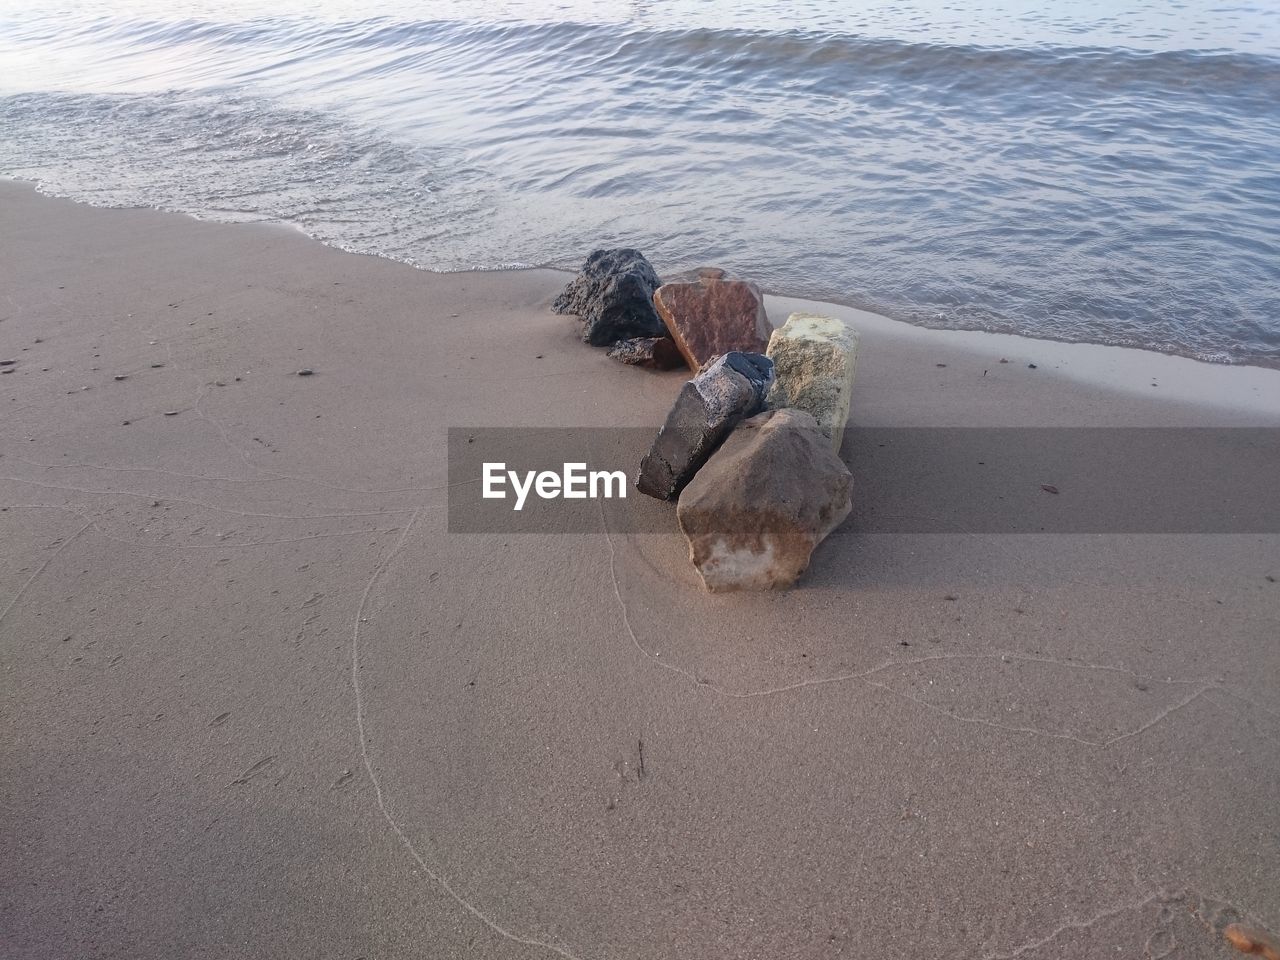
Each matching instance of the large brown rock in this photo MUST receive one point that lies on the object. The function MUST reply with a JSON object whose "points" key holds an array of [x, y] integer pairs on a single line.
{"points": [[761, 504], [713, 315], [725, 392]]}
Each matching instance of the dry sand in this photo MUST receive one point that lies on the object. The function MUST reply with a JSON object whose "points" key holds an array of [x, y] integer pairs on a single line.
{"points": [[258, 702]]}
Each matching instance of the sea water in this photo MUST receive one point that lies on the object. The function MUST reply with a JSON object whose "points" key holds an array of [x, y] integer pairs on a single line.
{"points": [[1098, 171]]}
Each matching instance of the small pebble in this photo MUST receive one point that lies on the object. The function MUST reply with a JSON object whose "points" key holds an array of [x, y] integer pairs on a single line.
{"points": [[1003, 360], [155, 365], [1252, 940], [306, 372], [1031, 366], [125, 423], [171, 413], [7, 363], [120, 376], [939, 364]]}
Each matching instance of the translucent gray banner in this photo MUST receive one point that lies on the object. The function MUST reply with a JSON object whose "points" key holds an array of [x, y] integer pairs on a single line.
{"points": [[906, 480]]}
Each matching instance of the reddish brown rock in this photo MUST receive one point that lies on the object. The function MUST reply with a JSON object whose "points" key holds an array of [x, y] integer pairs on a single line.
{"points": [[713, 315], [654, 353], [757, 509], [1253, 940]]}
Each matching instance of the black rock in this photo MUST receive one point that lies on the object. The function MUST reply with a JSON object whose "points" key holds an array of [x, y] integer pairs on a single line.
{"points": [[756, 367], [729, 389], [613, 296], [656, 353]]}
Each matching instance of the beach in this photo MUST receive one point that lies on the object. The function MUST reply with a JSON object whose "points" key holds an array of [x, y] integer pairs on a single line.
{"points": [[260, 701]]}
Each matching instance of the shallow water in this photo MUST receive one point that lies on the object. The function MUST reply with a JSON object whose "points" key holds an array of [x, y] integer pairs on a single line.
{"points": [[1081, 172]]}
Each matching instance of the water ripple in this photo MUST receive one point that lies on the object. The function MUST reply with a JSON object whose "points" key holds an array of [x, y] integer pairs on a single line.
{"points": [[1077, 192]]}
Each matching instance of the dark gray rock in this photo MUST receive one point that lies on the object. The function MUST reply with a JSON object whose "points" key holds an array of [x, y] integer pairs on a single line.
{"points": [[726, 391], [613, 296], [756, 367], [656, 353]]}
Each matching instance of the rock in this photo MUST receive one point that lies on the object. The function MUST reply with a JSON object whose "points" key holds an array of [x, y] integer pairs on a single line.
{"points": [[755, 512], [1252, 940], [613, 296], [813, 359], [713, 315], [656, 353], [727, 391]]}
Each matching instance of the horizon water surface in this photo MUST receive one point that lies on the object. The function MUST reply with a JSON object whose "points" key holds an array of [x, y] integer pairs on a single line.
{"points": [[1089, 171]]}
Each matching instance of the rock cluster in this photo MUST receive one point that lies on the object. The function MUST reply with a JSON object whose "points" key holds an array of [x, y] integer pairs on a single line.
{"points": [[751, 445]]}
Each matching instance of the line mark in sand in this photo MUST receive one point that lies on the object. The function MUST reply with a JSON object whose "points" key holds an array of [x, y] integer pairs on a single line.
{"points": [[863, 676], [40, 569], [1072, 925], [1214, 914], [437, 877]]}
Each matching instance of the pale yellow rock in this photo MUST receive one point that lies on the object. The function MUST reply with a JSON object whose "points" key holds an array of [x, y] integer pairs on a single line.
{"points": [[813, 359]]}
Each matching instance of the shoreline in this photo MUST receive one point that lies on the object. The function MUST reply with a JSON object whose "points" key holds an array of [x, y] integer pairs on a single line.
{"points": [[260, 701], [1103, 371]]}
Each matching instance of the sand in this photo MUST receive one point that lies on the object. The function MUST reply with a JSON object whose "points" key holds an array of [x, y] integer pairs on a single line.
{"points": [[258, 701]]}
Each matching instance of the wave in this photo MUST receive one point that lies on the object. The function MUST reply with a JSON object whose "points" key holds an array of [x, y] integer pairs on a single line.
{"points": [[719, 50], [1080, 193]]}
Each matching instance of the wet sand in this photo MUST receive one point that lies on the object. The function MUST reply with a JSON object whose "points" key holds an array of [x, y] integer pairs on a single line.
{"points": [[259, 702]]}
